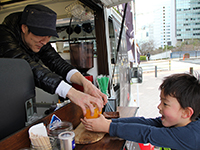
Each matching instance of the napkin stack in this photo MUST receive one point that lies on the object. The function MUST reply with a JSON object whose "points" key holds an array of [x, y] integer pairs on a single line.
{"points": [[39, 138]]}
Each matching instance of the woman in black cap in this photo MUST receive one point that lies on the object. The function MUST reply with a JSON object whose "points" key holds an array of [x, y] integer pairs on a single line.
{"points": [[26, 35]]}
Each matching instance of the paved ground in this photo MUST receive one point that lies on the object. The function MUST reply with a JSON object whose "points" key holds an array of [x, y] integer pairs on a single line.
{"points": [[147, 94]]}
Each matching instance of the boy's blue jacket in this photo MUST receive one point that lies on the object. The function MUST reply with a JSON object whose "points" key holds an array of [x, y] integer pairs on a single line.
{"points": [[152, 131]]}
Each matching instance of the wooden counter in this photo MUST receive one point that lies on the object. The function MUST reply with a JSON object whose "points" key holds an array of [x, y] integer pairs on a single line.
{"points": [[71, 113], [127, 111]]}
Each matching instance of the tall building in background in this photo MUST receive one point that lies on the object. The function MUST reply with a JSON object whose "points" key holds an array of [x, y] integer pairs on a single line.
{"points": [[161, 28], [164, 28], [187, 19], [168, 30]]}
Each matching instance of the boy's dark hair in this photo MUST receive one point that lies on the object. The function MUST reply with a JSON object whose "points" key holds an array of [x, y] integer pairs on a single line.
{"points": [[186, 89]]}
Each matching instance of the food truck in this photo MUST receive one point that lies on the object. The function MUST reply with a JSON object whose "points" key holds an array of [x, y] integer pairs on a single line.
{"points": [[92, 38], [92, 24]]}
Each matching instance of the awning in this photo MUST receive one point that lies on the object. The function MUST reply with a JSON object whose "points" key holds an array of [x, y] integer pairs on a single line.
{"points": [[111, 3]]}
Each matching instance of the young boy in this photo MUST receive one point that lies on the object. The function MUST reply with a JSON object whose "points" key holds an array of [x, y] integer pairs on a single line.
{"points": [[179, 126]]}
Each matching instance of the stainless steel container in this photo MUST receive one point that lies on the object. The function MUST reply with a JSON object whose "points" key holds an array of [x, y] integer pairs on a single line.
{"points": [[67, 141]]}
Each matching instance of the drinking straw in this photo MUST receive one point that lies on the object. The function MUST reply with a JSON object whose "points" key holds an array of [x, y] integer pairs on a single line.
{"points": [[102, 82]]}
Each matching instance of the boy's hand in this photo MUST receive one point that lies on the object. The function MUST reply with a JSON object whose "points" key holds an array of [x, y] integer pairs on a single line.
{"points": [[100, 124]]}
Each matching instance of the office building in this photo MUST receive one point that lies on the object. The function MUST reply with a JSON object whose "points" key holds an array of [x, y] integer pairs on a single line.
{"points": [[187, 19], [161, 28]]}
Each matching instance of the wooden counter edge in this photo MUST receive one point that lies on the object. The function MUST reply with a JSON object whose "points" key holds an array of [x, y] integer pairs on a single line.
{"points": [[20, 139]]}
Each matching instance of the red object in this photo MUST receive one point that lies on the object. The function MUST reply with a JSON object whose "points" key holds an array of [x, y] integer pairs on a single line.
{"points": [[147, 146], [79, 87]]}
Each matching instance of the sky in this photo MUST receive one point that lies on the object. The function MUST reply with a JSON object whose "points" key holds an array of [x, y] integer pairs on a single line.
{"points": [[144, 6], [145, 10]]}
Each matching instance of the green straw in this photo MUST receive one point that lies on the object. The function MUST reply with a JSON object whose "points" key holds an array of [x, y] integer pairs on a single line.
{"points": [[103, 84]]}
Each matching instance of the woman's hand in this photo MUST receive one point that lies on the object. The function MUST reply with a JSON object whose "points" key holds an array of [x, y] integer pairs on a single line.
{"points": [[84, 100], [91, 94], [91, 89], [100, 124]]}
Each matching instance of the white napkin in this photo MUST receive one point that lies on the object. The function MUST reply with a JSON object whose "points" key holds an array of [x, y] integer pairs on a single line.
{"points": [[39, 138], [38, 129]]}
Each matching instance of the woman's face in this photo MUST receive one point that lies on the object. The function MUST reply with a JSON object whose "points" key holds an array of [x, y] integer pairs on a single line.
{"points": [[32, 41]]}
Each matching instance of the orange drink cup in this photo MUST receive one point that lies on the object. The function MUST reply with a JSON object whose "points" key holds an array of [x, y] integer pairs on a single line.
{"points": [[96, 112]]}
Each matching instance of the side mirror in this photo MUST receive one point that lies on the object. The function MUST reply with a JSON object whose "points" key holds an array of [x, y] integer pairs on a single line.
{"points": [[136, 74]]}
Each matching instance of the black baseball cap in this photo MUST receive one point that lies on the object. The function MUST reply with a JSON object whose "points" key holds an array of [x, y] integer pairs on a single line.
{"points": [[40, 20]]}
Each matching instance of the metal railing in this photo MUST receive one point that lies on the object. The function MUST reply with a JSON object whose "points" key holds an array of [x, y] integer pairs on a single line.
{"points": [[159, 65]]}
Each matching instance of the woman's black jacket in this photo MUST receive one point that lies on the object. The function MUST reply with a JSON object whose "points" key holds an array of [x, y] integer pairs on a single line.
{"points": [[49, 73]]}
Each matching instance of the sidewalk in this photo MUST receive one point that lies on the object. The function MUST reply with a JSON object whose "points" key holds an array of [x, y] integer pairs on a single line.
{"points": [[147, 94]]}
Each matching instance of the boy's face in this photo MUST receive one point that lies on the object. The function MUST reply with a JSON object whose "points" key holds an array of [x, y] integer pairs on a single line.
{"points": [[171, 111]]}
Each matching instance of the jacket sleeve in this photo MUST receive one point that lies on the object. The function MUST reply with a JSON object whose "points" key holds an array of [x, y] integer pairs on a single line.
{"points": [[153, 122], [54, 61], [175, 137], [10, 47]]}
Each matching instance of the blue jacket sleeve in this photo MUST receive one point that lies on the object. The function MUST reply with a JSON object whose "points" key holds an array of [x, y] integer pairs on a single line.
{"points": [[154, 122], [150, 131]]}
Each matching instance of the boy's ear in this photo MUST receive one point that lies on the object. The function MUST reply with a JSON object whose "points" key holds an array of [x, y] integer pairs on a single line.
{"points": [[188, 112]]}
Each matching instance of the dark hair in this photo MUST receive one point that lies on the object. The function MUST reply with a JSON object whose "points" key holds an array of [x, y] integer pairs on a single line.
{"points": [[186, 89]]}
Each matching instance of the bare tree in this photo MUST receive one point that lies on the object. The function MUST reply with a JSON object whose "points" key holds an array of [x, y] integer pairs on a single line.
{"points": [[147, 46]]}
